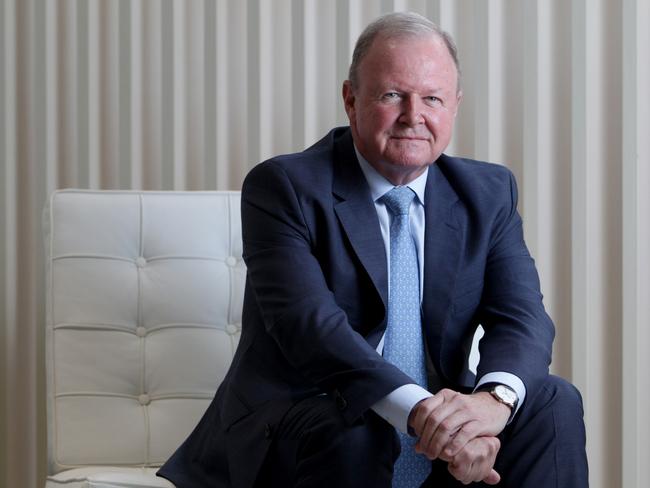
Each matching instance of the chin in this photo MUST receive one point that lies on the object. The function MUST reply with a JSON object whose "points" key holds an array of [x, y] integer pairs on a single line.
{"points": [[409, 160]]}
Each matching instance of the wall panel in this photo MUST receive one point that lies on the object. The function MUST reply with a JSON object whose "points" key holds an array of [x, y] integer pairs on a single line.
{"points": [[635, 64], [191, 94]]}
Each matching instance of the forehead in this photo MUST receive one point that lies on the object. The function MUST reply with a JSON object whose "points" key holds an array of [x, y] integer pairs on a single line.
{"points": [[423, 59]]}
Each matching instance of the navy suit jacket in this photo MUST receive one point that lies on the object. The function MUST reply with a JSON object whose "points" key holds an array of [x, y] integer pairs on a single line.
{"points": [[317, 290]]}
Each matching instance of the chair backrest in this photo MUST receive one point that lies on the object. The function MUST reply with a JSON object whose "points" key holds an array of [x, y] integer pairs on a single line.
{"points": [[144, 295]]}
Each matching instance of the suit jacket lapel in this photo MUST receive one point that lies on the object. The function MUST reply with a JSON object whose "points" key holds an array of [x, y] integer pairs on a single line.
{"points": [[356, 212], [442, 238], [442, 249]]}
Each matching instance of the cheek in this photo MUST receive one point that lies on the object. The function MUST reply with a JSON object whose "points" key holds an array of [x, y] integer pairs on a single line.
{"points": [[440, 124], [382, 117]]}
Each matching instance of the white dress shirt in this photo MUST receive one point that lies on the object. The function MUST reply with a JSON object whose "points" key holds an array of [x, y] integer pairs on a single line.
{"points": [[397, 405]]}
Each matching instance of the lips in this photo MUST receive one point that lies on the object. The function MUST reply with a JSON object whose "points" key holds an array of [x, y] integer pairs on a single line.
{"points": [[411, 138]]}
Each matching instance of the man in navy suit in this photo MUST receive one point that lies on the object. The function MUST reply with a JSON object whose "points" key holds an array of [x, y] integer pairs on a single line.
{"points": [[309, 400]]}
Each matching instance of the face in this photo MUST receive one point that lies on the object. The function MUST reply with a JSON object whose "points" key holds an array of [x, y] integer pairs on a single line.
{"points": [[403, 110]]}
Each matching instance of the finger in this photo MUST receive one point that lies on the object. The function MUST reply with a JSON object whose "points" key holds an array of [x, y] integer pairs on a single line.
{"points": [[433, 441], [435, 437], [426, 435], [459, 471], [488, 474], [421, 412], [468, 431], [470, 406], [436, 403], [430, 413], [492, 478]]}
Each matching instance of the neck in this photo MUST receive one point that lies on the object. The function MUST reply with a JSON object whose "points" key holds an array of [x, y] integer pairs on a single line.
{"points": [[398, 175]]}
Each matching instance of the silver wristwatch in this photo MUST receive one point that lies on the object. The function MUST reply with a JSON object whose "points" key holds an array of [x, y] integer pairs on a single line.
{"points": [[505, 395]]}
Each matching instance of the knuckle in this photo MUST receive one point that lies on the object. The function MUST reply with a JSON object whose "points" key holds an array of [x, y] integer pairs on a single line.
{"points": [[462, 457], [428, 410], [467, 430], [495, 444], [430, 424], [459, 441], [445, 426], [456, 444], [435, 419], [449, 394]]}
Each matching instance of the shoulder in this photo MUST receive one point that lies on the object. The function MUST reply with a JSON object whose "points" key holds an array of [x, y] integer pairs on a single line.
{"points": [[476, 180], [311, 169]]}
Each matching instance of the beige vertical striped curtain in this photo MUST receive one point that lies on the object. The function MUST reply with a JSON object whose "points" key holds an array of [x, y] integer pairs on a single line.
{"points": [[173, 94]]}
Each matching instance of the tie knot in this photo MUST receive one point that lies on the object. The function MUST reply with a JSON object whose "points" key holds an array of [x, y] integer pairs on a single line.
{"points": [[398, 200]]}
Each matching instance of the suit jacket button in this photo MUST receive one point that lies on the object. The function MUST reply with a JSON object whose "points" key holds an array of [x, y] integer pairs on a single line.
{"points": [[268, 431]]}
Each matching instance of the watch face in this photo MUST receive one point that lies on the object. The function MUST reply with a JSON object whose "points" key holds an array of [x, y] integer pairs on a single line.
{"points": [[506, 394]]}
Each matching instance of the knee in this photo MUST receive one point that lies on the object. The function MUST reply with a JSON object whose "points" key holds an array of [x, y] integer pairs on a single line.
{"points": [[556, 399], [555, 409], [564, 395], [545, 445]]}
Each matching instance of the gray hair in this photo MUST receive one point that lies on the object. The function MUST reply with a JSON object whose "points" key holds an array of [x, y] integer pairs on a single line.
{"points": [[398, 25]]}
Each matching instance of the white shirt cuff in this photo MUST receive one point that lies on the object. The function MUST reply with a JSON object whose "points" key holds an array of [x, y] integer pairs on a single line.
{"points": [[507, 379], [396, 407]]}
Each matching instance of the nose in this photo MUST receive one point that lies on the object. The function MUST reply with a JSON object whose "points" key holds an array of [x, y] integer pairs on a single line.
{"points": [[411, 111]]}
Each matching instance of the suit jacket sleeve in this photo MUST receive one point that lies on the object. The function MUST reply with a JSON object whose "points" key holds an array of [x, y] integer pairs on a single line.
{"points": [[518, 332]]}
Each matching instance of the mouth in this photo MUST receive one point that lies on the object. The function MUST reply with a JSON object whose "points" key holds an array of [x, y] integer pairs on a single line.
{"points": [[410, 138]]}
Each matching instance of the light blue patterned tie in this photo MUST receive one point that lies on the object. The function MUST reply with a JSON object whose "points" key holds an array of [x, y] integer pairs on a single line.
{"points": [[403, 342]]}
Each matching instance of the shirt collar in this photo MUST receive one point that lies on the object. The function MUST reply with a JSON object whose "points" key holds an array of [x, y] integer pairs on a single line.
{"points": [[379, 185]]}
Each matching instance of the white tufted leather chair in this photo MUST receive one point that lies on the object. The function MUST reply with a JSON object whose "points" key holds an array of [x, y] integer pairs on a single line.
{"points": [[144, 295]]}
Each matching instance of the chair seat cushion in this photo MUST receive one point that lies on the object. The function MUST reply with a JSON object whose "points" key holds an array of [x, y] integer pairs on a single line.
{"points": [[108, 477]]}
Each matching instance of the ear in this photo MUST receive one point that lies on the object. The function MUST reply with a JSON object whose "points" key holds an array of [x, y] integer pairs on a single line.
{"points": [[459, 98], [348, 99]]}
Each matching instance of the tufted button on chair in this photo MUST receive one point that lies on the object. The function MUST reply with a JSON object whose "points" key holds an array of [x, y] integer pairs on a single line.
{"points": [[144, 296]]}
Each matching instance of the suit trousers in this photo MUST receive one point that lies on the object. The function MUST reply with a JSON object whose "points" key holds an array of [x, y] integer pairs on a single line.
{"points": [[544, 446]]}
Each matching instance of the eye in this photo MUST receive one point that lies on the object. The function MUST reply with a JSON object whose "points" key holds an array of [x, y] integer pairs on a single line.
{"points": [[390, 96], [433, 100]]}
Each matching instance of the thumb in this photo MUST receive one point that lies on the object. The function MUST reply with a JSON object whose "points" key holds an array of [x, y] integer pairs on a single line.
{"points": [[493, 478]]}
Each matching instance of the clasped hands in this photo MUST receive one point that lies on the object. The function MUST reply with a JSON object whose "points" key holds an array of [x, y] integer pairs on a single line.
{"points": [[461, 429]]}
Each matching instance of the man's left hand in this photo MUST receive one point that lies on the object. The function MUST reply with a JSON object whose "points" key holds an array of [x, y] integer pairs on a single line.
{"points": [[448, 420]]}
